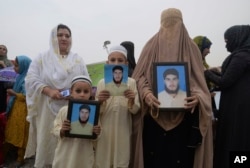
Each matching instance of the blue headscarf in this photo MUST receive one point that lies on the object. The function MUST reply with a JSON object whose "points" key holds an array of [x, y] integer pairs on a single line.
{"points": [[19, 86]]}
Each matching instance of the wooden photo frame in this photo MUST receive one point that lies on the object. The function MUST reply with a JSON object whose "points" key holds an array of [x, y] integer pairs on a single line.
{"points": [[171, 85], [84, 129]]}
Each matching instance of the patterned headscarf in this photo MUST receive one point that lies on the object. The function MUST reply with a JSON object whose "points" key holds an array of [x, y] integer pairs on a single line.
{"points": [[237, 37]]}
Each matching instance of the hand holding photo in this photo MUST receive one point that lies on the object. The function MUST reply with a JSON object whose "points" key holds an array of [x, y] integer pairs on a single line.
{"points": [[171, 85], [83, 115], [116, 78]]}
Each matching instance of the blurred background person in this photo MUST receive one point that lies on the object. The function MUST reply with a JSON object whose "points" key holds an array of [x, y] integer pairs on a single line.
{"points": [[17, 128], [233, 126], [130, 56], [204, 45], [4, 62]]}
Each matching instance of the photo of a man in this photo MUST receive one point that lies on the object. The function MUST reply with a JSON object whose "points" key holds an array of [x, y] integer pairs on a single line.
{"points": [[82, 125], [172, 95], [117, 87]]}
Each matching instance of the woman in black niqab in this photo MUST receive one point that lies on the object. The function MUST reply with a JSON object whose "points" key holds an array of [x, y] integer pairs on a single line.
{"points": [[233, 127], [130, 56]]}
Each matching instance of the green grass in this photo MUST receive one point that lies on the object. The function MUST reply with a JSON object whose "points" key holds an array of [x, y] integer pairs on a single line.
{"points": [[96, 72]]}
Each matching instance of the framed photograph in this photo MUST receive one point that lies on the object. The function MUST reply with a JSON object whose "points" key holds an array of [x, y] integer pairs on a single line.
{"points": [[83, 115], [113, 75], [171, 85]]}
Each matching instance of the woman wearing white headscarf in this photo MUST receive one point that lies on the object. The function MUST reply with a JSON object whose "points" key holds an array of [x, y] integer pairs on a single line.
{"points": [[51, 72]]}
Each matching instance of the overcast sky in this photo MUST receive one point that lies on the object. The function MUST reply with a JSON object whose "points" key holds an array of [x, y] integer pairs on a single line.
{"points": [[25, 25]]}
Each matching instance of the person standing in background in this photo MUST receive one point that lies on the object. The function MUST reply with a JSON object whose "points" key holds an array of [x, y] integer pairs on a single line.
{"points": [[49, 74], [4, 62], [177, 138], [204, 45], [130, 56], [233, 128], [17, 128]]}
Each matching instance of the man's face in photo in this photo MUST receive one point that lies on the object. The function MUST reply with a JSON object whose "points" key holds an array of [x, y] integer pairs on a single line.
{"points": [[171, 83], [84, 115], [117, 76]]}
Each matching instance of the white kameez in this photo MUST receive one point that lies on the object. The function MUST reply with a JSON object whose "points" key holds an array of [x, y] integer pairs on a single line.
{"points": [[71, 152], [48, 69], [114, 143]]}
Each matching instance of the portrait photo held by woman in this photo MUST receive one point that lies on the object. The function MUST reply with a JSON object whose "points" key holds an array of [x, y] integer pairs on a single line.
{"points": [[232, 133], [50, 73], [180, 138]]}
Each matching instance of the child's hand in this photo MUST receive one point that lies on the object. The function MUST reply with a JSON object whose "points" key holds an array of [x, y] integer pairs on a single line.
{"points": [[129, 94], [103, 95], [11, 92], [65, 127], [97, 129]]}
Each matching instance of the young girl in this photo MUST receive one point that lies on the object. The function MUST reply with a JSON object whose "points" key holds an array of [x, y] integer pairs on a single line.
{"points": [[113, 145], [17, 127], [74, 152]]}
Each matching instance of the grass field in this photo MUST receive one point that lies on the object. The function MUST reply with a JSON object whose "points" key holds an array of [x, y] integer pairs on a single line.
{"points": [[96, 72]]}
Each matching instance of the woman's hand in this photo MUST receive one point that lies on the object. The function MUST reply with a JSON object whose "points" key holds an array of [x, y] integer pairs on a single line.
{"points": [[103, 95], [151, 100], [52, 93], [192, 102]]}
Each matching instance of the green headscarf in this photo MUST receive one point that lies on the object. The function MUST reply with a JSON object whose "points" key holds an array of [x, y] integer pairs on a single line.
{"points": [[202, 42]]}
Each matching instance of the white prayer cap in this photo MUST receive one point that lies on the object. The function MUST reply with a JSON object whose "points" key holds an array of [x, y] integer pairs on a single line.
{"points": [[118, 48], [81, 78]]}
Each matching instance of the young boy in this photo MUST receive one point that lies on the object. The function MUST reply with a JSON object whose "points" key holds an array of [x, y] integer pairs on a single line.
{"points": [[74, 152], [113, 145]]}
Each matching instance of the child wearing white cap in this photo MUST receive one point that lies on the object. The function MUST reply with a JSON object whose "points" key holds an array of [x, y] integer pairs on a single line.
{"points": [[113, 146], [74, 152]]}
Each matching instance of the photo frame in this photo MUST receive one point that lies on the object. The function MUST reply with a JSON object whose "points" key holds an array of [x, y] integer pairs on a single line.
{"points": [[76, 108], [171, 85], [116, 72]]}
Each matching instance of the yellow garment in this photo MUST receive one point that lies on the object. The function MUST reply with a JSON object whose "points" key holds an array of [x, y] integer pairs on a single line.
{"points": [[17, 128]]}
